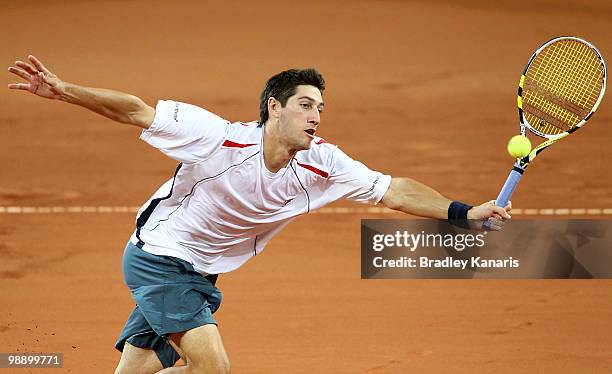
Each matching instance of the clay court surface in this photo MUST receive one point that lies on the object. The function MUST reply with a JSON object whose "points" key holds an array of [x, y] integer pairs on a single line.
{"points": [[422, 89]]}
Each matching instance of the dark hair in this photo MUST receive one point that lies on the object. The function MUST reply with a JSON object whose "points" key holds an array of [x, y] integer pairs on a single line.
{"points": [[282, 86]]}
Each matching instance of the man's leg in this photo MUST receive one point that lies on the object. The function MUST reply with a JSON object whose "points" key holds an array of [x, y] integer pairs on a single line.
{"points": [[202, 349], [136, 360], [171, 296]]}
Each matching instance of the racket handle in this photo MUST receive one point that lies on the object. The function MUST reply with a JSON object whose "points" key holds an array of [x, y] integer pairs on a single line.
{"points": [[506, 192], [510, 185]]}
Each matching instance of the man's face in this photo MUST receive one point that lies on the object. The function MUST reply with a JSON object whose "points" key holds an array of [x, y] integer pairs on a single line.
{"points": [[300, 117]]}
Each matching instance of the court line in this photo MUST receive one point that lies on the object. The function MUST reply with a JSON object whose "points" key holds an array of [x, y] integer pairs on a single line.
{"points": [[328, 210]]}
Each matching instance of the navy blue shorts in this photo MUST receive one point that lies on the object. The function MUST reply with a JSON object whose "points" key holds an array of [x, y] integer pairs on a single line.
{"points": [[170, 297]]}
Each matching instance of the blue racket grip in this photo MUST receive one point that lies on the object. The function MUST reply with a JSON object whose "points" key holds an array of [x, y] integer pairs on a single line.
{"points": [[510, 185]]}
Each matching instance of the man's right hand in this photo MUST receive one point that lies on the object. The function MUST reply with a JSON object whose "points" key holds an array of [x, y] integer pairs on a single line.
{"points": [[40, 81]]}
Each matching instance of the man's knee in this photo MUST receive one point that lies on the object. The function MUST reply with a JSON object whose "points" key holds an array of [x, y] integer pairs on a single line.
{"points": [[202, 349], [121, 369], [215, 362], [223, 366], [135, 360], [220, 366], [136, 369]]}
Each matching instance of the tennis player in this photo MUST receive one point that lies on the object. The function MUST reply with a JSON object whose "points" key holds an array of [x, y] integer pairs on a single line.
{"points": [[235, 187]]}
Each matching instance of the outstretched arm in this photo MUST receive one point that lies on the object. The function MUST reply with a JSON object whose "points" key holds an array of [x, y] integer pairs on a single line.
{"points": [[410, 196], [118, 106]]}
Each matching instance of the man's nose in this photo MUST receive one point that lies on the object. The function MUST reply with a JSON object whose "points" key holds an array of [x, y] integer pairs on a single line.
{"points": [[315, 117]]}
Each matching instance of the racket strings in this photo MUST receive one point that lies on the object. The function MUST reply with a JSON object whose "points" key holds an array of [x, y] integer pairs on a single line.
{"points": [[569, 67], [562, 85]]}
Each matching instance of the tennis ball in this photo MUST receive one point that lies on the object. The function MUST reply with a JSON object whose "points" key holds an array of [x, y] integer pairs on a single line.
{"points": [[519, 146]]}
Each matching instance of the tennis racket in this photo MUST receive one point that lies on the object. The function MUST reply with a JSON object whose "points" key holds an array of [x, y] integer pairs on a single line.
{"points": [[559, 90]]}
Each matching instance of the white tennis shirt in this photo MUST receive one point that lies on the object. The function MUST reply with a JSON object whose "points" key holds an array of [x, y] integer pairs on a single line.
{"points": [[223, 205]]}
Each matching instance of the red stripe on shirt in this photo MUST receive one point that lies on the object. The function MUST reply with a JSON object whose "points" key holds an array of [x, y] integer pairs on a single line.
{"points": [[314, 170], [231, 144]]}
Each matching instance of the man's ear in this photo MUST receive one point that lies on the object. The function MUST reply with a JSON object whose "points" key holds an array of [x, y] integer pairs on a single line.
{"points": [[274, 107]]}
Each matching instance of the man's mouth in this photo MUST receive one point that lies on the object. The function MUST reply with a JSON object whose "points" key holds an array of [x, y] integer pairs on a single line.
{"points": [[310, 132]]}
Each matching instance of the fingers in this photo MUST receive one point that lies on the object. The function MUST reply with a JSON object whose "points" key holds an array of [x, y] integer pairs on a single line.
{"points": [[491, 203], [501, 212], [39, 65], [19, 73], [27, 67], [508, 206], [496, 216], [495, 224], [19, 86]]}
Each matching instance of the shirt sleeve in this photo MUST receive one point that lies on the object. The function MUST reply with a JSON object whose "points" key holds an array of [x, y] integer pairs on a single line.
{"points": [[185, 132], [354, 181]]}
